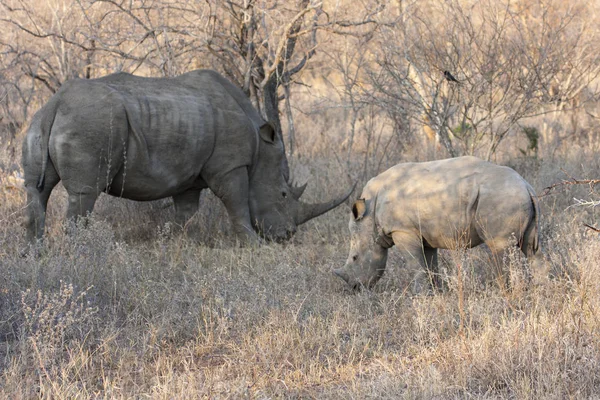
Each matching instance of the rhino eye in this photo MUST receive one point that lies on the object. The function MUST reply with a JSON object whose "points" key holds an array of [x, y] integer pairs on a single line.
{"points": [[284, 194], [354, 258]]}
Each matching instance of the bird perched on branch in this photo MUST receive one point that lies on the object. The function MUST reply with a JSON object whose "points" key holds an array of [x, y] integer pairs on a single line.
{"points": [[449, 77]]}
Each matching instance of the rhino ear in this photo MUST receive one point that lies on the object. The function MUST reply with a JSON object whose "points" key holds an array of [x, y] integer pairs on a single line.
{"points": [[267, 133], [358, 209]]}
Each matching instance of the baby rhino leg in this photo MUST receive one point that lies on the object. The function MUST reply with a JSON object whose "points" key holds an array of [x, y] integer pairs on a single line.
{"points": [[501, 261], [425, 258]]}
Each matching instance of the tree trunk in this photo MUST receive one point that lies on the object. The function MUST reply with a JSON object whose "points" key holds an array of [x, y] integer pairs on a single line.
{"points": [[271, 114]]}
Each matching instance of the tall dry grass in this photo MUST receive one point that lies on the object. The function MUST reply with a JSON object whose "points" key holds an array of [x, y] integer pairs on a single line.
{"points": [[130, 308]]}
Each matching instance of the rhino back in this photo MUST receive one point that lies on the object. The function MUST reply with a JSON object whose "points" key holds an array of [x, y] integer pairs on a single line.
{"points": [[174, 130], [204, 105], [443, 199], [204, 78]]}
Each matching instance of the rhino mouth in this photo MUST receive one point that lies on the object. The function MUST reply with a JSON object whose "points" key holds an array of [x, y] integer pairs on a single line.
{"points": [[276, 237], [353, 285], [280, 239], [358, 284]]}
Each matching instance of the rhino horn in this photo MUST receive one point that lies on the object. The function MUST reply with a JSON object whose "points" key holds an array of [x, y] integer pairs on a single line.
{"points": [[340, 273], [297, 191], [309, 211]]}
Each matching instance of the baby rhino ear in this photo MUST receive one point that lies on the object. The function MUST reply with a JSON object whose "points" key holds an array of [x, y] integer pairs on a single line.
{"points": [[359, 208]]}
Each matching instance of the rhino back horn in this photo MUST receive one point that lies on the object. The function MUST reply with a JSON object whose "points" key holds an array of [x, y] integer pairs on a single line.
{"points": [[297, 191]]}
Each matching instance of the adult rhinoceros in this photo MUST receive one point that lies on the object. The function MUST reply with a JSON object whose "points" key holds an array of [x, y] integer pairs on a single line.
{"points": [[151, 138], [444, 204]]}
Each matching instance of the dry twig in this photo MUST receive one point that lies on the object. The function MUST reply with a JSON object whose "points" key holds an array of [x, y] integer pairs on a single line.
{"points": [[571, 181], [592, 228]]}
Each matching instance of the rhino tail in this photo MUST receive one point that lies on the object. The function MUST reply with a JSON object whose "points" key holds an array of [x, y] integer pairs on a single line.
{"points": [[45, 127], [530, 241]]}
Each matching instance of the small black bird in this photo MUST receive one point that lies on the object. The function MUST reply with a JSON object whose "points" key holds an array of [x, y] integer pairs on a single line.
{"points": [[449, 77]]}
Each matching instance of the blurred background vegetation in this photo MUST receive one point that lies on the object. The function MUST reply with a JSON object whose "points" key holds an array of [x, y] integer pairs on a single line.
{"points": [[368, 75]]}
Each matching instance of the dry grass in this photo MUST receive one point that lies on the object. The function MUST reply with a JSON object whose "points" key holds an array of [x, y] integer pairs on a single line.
{"points": [[129, 309]]}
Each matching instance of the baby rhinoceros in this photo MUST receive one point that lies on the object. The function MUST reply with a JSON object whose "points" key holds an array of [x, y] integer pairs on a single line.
{"points": [[444, 204]]}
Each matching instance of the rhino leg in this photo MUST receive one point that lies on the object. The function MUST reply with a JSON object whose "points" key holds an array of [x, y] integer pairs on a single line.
{"points": [[428, 278], [431, 259], [80, 205], [500, 248], [186, 205], [425, 258], [233, 188]]}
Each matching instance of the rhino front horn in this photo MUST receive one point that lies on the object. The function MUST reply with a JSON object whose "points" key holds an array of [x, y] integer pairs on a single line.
{"points": [[339, 273], [309, 211]]}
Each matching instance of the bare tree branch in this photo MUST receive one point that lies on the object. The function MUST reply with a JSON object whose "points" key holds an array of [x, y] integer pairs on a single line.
{"points": [[573, 181]]}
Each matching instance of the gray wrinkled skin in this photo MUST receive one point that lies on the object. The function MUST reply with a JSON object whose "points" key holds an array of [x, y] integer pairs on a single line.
{"points": [[151, 138], [444, 204]]}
